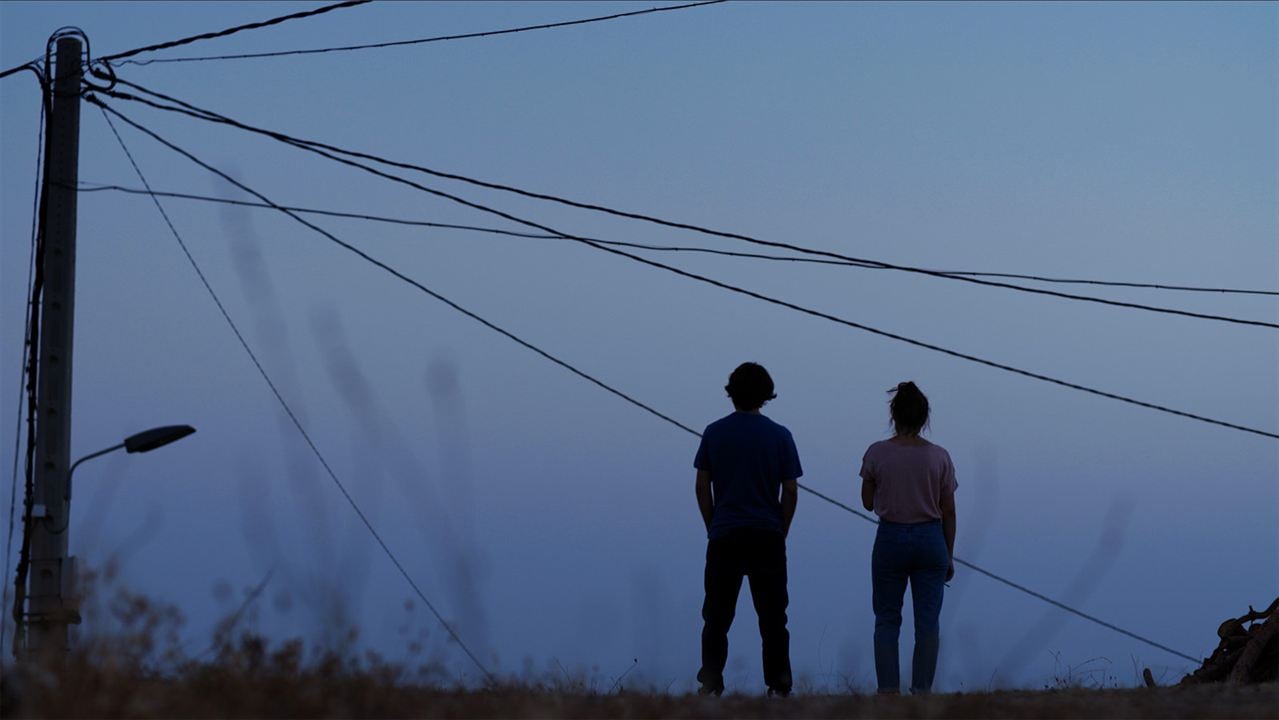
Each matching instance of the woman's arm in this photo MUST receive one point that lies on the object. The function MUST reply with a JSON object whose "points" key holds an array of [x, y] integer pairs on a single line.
{"points": [[868, 493], [948, 529]]}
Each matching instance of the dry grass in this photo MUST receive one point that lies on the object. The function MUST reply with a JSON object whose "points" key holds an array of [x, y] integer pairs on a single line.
{"points": [[134, 667]]}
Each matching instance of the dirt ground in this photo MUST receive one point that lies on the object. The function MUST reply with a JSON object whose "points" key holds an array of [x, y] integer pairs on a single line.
{"points": [[338, 697]]}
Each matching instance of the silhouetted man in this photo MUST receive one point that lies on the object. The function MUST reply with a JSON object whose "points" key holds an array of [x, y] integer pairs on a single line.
{"points": [[744, 462]]}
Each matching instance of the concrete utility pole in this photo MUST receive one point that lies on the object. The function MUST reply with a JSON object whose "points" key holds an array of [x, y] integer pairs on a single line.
{"points": [[50, 571]]}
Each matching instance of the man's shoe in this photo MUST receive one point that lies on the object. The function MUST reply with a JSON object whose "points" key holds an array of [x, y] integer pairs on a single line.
{"points": [[712, 683], [775, 692]]}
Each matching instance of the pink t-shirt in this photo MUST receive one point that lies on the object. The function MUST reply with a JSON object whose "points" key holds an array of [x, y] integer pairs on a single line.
{"points": [[910, 480]]}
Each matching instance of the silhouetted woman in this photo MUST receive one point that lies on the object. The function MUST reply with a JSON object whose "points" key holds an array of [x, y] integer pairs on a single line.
{"points": [[910, 484]]}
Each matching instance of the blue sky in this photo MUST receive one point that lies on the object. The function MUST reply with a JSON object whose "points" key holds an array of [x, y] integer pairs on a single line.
{"points": [[555, 524]]}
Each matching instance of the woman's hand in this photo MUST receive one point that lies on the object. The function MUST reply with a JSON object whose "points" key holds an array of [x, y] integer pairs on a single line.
{"points": [[950, 571]]}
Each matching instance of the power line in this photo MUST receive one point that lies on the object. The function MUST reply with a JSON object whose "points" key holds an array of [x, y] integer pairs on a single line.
{"points": [[210, 116], [753, 294], [232, 30], [1117, 283], [580, 373], [420, 41], [32, 66], [90, 187], [1074, 611], [289, 411]]}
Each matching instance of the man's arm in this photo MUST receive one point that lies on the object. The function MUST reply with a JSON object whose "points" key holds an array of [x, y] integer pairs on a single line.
{"points": [[705, 502], [790, 498], [868, 493], [948, 528]]}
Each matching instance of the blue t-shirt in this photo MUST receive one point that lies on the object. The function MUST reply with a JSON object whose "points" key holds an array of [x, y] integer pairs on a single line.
{"points": [[748, 456]]}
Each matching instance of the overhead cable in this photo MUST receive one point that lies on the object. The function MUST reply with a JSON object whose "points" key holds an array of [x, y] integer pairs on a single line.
{"points": [[190, 110], [1116, 283], [32, 66], [599, 383], [420, 41], [91, 187], [759, 296], [306, 436], [231, 30]]}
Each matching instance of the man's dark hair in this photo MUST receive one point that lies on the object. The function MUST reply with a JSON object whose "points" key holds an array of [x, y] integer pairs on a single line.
{"points": [[750, 386], [909, 407]]}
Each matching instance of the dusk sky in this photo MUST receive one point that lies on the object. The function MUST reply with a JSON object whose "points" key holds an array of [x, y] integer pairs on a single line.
{"points": [[554, 524]]}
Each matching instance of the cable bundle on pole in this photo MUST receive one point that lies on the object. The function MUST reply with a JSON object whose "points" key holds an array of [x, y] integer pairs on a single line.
{"points": [[27, 390]]}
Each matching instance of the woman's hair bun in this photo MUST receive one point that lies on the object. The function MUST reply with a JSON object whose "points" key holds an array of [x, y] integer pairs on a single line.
{"points": [[909, 408]]}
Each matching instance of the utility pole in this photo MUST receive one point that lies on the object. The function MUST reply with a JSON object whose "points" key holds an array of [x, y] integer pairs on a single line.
{"points": [[50, 570]]}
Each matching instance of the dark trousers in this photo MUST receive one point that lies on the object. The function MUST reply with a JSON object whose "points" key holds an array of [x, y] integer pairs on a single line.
{"points": [[916, 554], [759, 555]]}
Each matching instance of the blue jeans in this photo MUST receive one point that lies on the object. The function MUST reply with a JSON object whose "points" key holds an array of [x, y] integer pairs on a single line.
{"points": [[916, 553]]}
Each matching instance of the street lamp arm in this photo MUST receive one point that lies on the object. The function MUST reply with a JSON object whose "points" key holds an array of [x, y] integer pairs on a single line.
{"points": [[70, 472], [142, 442], [90, 456]]}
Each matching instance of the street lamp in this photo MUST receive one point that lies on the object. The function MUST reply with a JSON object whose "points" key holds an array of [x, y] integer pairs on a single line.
{"points": [[145, 441], [142, 442]]}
